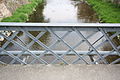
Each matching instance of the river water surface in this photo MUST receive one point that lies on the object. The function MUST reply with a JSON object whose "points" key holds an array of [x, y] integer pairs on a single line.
{"points": [[60, 11], [65, 11]]}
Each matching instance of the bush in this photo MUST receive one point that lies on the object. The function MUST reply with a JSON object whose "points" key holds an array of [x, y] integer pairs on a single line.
{"points": [[107, 12], [21, 14]]}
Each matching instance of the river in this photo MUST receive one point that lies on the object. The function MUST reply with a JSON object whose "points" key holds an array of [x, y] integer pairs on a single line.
{"points": [[64, 11], [59, 11]]}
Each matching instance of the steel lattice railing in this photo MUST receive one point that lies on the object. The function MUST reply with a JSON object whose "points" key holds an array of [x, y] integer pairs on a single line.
{"points": [[88, 47]]}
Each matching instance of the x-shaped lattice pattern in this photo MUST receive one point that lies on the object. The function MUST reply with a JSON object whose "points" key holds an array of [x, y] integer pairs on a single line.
{"points": [[24, 55]]}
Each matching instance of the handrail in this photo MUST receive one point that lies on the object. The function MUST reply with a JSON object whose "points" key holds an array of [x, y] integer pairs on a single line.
{"points": [[94, 25], [61, 26]]}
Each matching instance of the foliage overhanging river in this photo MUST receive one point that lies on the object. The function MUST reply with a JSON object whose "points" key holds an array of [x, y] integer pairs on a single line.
{"points": [[60, 11]]}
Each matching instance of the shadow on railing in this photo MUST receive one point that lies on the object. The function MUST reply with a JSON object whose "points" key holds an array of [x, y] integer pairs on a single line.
{"points": [[64, 43]]}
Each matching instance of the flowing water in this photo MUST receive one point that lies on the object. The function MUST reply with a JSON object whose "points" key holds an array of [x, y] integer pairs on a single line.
{"points": [[60, 11], [65, 11]]}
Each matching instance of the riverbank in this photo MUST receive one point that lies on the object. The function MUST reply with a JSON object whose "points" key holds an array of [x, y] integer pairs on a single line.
{"points": [[22, 13], [107, 12], [7, 7]]}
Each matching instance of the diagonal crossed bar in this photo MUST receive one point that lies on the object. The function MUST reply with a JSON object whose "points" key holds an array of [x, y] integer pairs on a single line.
{"points": [[67, 45], [44, 46], [52, 45], [68, 51], [7, 43], [110, 41], [52, 28], [22, 47], [81, 35]]}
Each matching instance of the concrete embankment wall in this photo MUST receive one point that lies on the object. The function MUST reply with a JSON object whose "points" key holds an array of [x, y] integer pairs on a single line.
{"points": [[21, 13], [7, 7]]}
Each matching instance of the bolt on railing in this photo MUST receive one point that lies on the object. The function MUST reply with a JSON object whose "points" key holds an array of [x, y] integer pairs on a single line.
{"points": [[59, 43]]}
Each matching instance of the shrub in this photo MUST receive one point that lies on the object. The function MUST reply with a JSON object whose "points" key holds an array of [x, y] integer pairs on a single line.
{"points": [[21, 14], [107, 12]]}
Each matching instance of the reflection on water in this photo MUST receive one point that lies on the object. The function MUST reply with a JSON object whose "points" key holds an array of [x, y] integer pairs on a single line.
{"points": [[58, 11], [37, 16], [26, 41], [65, 11], [85, 13]]}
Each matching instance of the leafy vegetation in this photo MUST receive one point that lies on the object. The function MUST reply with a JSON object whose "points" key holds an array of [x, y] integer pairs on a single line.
{"points": [[22, 13], [107, 12]]}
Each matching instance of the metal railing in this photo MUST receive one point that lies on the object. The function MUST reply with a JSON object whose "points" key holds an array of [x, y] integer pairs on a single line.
{"points": [[94, 44]]}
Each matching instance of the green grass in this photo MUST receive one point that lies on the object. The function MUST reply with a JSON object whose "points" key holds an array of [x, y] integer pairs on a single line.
{"points": [[21, 14], [107, 12]]}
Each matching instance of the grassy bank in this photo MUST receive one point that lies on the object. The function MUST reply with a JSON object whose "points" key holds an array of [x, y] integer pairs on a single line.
{"points": [[107, 12], [22, 13]]}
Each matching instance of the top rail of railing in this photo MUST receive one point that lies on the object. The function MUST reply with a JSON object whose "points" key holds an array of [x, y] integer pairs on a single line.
{"points": [[61, 26], [7, 24]]}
